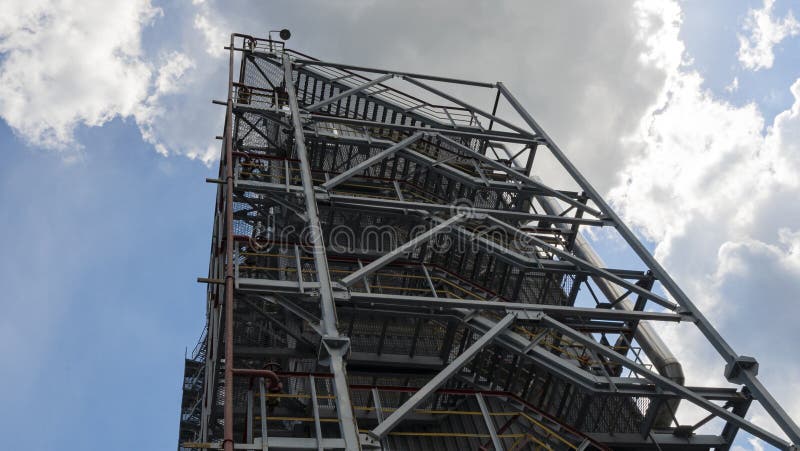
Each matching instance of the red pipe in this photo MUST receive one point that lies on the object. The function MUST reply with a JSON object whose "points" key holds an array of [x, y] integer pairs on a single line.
{"points": [[274, 384]]}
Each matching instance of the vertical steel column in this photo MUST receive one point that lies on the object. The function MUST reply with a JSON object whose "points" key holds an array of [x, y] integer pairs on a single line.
{"points": [[376, 401], [228, 411], [249, 427], [262, 404], [344, 409], [312, 383], [498, 445]]}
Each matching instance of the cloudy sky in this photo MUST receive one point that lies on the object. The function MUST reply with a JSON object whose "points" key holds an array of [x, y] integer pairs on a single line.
{"points": [[686, 114]]}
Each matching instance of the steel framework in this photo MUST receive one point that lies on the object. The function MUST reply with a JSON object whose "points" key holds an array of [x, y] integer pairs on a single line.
{"points": [[387, 272]]}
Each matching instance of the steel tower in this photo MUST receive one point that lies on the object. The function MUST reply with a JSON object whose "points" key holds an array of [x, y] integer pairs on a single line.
{"points": [[388, 272]]}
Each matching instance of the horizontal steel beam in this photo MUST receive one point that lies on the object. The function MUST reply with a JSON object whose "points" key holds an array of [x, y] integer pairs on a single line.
{"points": [[425, 302], [270, 285], [351, 91], [432, 207], [455, 131], [311, 62]]}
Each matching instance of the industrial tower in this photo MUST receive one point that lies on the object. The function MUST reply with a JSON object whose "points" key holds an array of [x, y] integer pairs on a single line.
{"points": [[388, 272]]}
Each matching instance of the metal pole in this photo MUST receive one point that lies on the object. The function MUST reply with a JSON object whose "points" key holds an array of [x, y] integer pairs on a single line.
{"points": [[344, 408], [229, 270], [315, 406], [249, 426], [262, 397], [487, 418]]}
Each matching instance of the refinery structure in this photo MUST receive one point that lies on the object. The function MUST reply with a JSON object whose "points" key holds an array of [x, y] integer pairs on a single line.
{"points": [[391, 268]]}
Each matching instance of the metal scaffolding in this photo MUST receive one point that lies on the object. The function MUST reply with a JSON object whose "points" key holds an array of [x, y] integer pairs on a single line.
{"points": [[388, 272]]}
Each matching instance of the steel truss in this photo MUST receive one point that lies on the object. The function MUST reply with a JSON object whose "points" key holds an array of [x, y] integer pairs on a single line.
{"points": [[387, 272]]}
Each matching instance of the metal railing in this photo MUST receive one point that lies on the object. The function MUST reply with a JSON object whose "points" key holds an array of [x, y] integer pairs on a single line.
{"points": [[519, 427]]}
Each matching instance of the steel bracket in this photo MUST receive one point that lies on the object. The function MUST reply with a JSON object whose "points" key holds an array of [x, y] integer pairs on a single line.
{"points": [[527, 315], [331, 343], [369, 442], [733, 370]]}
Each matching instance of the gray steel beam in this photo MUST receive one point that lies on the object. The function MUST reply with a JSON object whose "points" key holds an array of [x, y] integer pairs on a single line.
{"points": [[399, 251], [262, 399], [344, 408], [312, 384], [487, 418], [440, 379], [467, 106], [310, 62], [427, 302], [348, 92], [289, 443], [747, 376], [494, 135], [432, 207], [379, 415], [371, 161], [285, 286]]}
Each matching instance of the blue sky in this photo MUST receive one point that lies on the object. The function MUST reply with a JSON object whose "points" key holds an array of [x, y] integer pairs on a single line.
{"points": [[106, 217], [710, 30], [101, 257]]}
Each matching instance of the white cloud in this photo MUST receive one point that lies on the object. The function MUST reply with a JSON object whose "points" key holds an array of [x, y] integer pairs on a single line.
{"points": [[756, 49], [171, 72], [151, 110], [215, 35], [70, 62], [716, 189]]}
